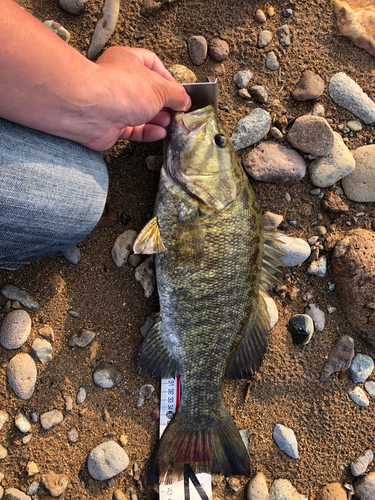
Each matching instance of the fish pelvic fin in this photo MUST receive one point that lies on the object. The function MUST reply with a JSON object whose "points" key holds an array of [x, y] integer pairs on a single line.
{"points": [[149, 240], [217, 448], [154, 358]]}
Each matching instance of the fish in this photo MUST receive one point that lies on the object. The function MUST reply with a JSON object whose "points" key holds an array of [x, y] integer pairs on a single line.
{"points": [[214, 263]]}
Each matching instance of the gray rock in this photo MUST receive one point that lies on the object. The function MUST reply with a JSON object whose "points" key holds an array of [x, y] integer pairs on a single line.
{"points": [[72, 6], [73, 436], [3, 452], [364, 489], [264, 38], [257, 488], [107, 460], [340, 357], [145, 274], [301, 327], [22, 423], [32, 488], [83, 340], [197, 46], [251, 129], [317, 315], [359, 397], [272, 162], [72, 254], [55, 483], [123, 246], [74, 314], [15, 494], [107, 376], [105, 27], [272, 220], [81, 396], [284, 35], [42, 350], [359, 185], [282, 489], [242, 78], [327, 170], [311, 134], [318, 267], [271, 61], [3, 418], [58, 29], [51, 419], [12, 292], [370, 388], [360, 464], [361, 368], [21, 374], [259, 93], [15, 329], [348, 94], [295, 250], [286, 440]]}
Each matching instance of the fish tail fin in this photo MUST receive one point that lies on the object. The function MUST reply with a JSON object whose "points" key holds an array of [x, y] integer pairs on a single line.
{"points": [[214, 448]]}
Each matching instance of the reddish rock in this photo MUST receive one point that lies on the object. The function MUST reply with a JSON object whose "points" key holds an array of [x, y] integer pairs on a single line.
{"points": [[197, 46], [218, 49], [260, 16], [333, 203], [309, 87], [333, 491], [340, 357], [312, 134]]}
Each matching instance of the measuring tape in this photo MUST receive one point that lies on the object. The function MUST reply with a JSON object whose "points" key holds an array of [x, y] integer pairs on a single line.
{"points": [[192, 487]]}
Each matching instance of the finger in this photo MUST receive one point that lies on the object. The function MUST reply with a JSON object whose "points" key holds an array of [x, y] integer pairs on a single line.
{"points": [[163, 119], [152, 62], [144, 133], [175, 97]]}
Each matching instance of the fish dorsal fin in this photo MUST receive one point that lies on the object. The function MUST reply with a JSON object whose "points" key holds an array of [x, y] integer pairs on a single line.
{"points": [[191, 241], [149, 240]]}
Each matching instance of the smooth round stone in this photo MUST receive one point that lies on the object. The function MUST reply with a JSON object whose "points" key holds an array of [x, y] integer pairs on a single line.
{"points": [[218, 49], [51, 419], [16, 494], [359, 397], [107, 376], [22, 423], [42, 350], [15, 329], [284, 35], [182, 74], [370, 388], [12, 292], [282, 489], [311, 134], [3, 452], [286, 440], [264, 38], [260, 16], [107, 460], [272, 162], [271, 61], [359, 185], [58, 29], [21, 374], [72, 254], [360, 464], [197, 46], [317, 315], [295, 250], [251, 128], [348, 94], [309, 87], [276, 133], [325, 171], [301, 327], [318, 267], [364, 488], [72, 6], [242, 78], [354, 125], [361, 368], [81, 395], [123, 246], [257, 488]]}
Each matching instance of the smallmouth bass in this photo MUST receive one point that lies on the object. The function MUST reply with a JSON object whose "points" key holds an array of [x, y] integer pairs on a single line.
{"points": [[213, 265]]}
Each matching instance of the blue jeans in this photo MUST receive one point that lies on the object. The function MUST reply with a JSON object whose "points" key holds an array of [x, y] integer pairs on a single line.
{"points": [[52, 193]]}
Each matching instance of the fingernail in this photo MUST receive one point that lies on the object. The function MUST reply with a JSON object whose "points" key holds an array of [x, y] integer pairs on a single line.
{"points": [[188, 103]]}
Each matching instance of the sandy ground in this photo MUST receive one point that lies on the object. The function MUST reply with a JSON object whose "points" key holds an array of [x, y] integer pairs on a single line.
{"points": [[331, 430]]}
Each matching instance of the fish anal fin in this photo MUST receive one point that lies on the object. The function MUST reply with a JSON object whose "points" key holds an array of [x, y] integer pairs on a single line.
{"points": [[271, 258], [155, 359], [149, 240]]}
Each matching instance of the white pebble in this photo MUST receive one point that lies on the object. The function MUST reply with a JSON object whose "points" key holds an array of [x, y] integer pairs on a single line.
{"points": [[295, 250], [3, 452], [318, 267], [81, 396], [22, 423], [359, 397], [286, 440], [122, 247], [107, 460], [257, 488]]}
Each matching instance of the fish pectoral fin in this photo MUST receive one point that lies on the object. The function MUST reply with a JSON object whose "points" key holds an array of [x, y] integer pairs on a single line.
{"points": [[155, 358], [251, 346], [192, 241], [149, 240]]}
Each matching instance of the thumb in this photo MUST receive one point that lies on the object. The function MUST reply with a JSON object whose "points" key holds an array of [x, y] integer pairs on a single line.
{"points": [[175, 96]]}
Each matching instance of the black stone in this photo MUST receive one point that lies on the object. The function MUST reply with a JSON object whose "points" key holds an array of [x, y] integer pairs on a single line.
{"points": [[301, 328], [124, 219]]}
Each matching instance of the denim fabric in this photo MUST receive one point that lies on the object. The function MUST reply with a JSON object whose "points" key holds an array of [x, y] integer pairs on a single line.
{"points": [[52, 193]]}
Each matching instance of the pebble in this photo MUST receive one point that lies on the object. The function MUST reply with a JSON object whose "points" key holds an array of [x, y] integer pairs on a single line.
{"points": [[74, 314], [339, 358], [272, 62], [354, 125], [332, 491], [34, 417], [359, 185], [107, 376], [107, 460], [311, 134], [86, 337], [260, 16], [234, 484], [123, 246], [286, 440], [259, 93], [73, 435], [364, 488], [244, 94], [361, 368], [282, 489], [145, 274], [348, 94], [134, 260], [272, 220], [318, 110], [15, 494], [325, 171], [242, 78], [295, 250], [21, 374], [119, 495], [360, 464], [251, 128], [218, 49], [287, 13], [284, 35], [197, 47], [124, 218], [42, 350], [26, 439], [32, 469], [32, 488], [72, 6], [182, 74], [318, 267], [333, 203], [301, 327], [68, 400], [3, 418], [15, 329], [264, 38], [47, 332], [55, 483], [271, 11], [22, 423], [105, 27], [273, 313], [257, 488], [370, 388], [58, 29], [309, 87], [51, 419], [72, 254], [317, 315], [359, 397], [146, 391], [12, 292], [3, 452], [276, 133], [272, 162], [81, 396]]}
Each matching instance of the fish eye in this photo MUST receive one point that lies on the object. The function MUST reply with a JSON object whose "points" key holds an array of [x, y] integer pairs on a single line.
{"points": [[220, 140]]}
